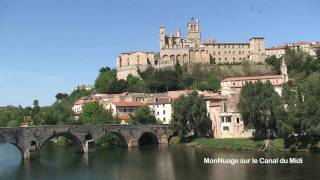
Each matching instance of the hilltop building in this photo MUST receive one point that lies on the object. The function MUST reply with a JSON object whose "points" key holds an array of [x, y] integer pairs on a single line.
{"points": [[232, 86], [307, 47], [190, 50]]}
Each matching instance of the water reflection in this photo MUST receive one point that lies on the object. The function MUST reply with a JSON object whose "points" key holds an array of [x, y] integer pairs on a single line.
{"points": [[149, 162]]}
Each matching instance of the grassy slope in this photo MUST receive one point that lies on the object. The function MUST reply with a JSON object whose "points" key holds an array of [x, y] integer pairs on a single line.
{"points": [[234, 144]]}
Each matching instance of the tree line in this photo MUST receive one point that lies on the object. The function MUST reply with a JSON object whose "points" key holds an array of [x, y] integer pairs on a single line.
{"points": [[297, 111]]}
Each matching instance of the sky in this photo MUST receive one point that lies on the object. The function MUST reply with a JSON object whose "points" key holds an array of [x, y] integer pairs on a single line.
{"points": [[51, 46]]}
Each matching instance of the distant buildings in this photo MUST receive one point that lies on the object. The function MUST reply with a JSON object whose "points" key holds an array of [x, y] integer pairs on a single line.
{"points": [[308, 47], [222, 110], [85, 87], [190, 50]]}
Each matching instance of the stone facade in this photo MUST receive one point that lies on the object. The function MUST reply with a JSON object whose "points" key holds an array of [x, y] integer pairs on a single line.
{"points": [[190, 50], [30, 140], [225, 117]]}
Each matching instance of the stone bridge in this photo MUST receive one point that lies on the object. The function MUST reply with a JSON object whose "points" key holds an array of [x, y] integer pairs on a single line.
{"points": [[29, 140]]}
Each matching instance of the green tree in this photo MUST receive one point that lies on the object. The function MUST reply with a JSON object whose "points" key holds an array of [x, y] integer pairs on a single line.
{"points": [[261, 108], [59, 112], [135, 84], [76, 94], [142, 115], [274, 62], [35, 112], [302, 98], [190, 116], [94, 113], [117, 86], [11, 116], [105, 77], [61, 96]]}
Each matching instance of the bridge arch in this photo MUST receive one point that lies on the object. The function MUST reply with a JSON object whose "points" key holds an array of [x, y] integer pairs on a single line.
{"points": [[148, 138], [120, 138], [78, 145], [16, 146]]}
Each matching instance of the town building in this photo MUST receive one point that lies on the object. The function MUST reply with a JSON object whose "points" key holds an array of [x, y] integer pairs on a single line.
{"points": [[232, 86], [123, 109], [190, 50], [161, 108], [225, 117], [307, 47]]}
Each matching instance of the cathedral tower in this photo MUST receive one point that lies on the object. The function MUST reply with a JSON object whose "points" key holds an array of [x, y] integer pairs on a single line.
{"points": [[284, 70], [194, 30], [162, 37]]}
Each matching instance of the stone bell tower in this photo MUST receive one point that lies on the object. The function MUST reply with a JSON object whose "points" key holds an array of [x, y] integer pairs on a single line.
{"points": [[194, 30], [162, 37], [284, 70]]}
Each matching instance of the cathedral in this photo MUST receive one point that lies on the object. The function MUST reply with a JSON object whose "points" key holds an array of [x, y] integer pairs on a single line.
{"points": [[190, 50]]}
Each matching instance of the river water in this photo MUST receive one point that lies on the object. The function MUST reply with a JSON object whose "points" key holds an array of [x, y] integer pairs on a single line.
{"points": [[150, 163]]}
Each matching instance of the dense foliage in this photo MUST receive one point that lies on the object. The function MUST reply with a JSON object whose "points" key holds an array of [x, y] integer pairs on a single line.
{"points": [[142, 115], [300, 97], [94, 113], [190, 116], [261, 108]]}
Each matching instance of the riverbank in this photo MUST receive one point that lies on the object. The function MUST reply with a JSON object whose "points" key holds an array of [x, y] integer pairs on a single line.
{"points": [[235, 144]]}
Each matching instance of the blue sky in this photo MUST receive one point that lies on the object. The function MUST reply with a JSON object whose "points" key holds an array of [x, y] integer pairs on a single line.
{"points": [[51, 46]]}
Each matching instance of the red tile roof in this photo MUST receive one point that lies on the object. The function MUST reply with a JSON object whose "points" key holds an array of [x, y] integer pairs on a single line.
{"points": [[128, 104], [252, 78]]}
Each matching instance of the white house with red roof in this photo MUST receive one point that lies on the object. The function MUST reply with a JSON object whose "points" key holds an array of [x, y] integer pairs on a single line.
{"points": [[161, 108]]}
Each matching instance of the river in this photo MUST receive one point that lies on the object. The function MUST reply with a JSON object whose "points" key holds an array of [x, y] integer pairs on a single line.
{"points": [[150, 163]]}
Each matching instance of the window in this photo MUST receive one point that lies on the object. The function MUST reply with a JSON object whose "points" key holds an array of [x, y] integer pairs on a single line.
{"points": [[228, 119], [164, 119], [164, 112], [124, 110], [222, 119], [158, 113], [226, 128], [238, 120], [225, 59]]}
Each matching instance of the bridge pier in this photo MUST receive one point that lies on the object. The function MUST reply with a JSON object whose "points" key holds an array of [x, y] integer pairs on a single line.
{"points": [[89, 146], [31, 153], [133, 143]]}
